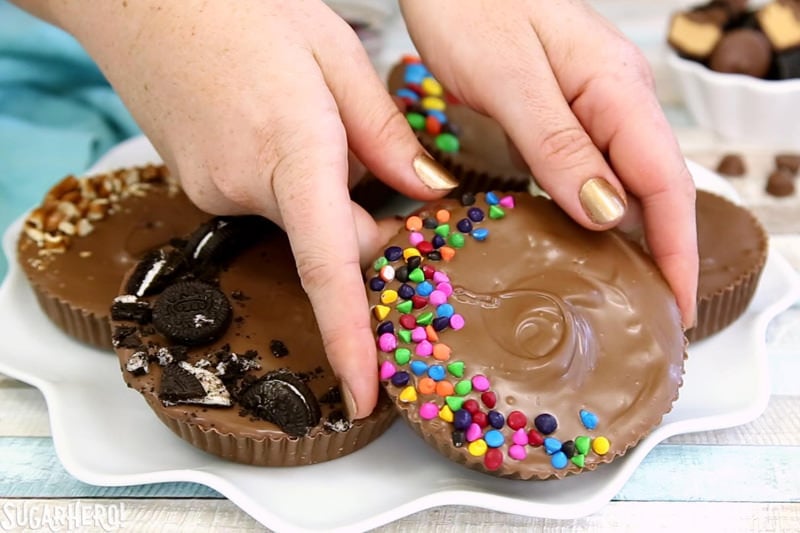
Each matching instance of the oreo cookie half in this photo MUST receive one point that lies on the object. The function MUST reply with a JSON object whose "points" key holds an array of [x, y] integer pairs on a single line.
{"points": [[282, 398], [222, 238], [192, 313], [153, 272]]}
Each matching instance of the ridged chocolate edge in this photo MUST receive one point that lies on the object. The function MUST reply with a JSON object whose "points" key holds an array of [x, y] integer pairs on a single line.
{"points": [[282, 450], [717, 311], [471, 180], [78, 323], [446, 448]]}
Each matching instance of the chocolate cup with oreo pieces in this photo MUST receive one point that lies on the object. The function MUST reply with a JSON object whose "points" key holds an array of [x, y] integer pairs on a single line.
{"points": [[472, 146], [88, 231], [733, 247], [227, 352]]}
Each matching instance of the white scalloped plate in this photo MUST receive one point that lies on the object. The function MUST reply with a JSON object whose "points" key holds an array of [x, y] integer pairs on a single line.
{"points": [[105, 434]]}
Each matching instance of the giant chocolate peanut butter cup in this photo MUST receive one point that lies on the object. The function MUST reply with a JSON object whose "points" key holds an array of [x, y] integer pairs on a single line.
{"points": [[518, 343], [472, 146], [77, 245], [733, 247], [217, 334]]}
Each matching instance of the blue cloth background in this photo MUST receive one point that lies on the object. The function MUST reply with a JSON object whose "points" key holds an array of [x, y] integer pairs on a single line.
{"points": [[58, 114]]}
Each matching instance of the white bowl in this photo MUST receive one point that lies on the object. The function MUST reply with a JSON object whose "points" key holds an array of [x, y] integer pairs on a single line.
{"points": [[740, 108]]}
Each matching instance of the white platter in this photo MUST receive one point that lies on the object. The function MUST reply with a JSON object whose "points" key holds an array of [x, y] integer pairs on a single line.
{"points": [[104, 434]]}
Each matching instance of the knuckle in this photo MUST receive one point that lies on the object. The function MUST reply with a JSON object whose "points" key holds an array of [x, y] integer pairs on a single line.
{"points": [[317, 271], [635, 65], [567, 147]]}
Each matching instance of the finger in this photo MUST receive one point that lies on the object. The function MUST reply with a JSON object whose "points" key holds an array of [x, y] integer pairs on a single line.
{"points": [[309, 181], [623, 117], [377, 131], [644, 153], [372, 236], [529, 103]]}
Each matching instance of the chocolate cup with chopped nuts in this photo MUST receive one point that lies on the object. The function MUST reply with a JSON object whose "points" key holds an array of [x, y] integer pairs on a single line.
{"points": [[733, 248], [235, 365], [77, 244]]}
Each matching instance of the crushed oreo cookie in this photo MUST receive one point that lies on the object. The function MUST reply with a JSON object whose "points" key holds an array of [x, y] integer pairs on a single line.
{"points": [[337, 421], [278, 348], [130, 307], [184, 383], [138, 364], [126, 337]]}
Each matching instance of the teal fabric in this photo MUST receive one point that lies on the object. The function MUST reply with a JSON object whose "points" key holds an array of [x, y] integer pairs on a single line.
{"points": [[58, 114]]}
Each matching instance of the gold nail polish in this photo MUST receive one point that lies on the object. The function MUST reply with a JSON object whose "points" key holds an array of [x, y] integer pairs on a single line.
{"points": [[601, 202], [432, 174], [350, 407]]}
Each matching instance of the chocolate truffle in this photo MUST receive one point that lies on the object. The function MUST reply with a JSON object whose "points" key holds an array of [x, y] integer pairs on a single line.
{"points": [[742, 51]]}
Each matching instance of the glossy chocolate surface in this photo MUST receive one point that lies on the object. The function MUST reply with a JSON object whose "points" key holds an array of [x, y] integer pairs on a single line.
{"points": [[560, 319]]}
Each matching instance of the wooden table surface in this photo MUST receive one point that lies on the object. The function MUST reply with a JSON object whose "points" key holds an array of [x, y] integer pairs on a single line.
{"points": [[744, 478]]}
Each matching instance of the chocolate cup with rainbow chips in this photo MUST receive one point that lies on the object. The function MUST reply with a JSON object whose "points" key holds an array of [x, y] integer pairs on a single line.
{"points": [[76, 246], [518, 343], [217, 334], [473, 147], [733, 248]]}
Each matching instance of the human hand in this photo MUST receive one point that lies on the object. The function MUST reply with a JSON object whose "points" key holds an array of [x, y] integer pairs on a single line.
{"points": [[254, 104], [577, 100]]}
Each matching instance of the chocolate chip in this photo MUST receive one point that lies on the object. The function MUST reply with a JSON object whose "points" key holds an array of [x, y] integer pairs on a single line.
{"points": [[790, 162], [467, 199], [191, 313], [179, 385], [129, 307], [278, 348], [732, 165], [780, 183], [282, 398]]}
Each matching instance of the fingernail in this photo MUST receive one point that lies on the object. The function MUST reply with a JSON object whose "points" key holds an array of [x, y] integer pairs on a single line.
{"points": [[432, 174], [350, 407], [601, 202]]}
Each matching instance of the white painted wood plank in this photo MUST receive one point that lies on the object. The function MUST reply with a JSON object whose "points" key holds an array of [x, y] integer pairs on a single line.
{"points": [[615, 517], [23, 412], [177, 516], [778, 426]]}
